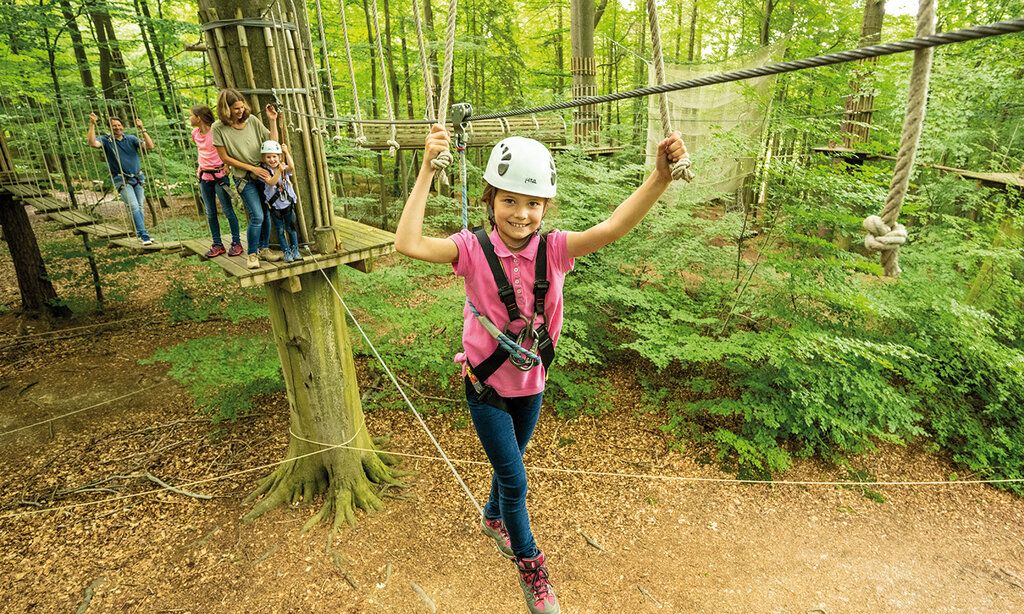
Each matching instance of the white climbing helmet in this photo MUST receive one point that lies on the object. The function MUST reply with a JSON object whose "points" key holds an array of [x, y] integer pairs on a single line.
{"points": [[270, 147], [522, 165]]}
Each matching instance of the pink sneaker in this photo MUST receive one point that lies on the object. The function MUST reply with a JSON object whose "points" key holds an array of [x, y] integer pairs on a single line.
{"points": [[537, 588], [216, 250], [235, 249], [495, 529]]}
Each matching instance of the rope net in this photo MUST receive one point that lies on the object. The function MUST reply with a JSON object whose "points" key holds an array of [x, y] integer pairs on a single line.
{"points": [[720, 124]]}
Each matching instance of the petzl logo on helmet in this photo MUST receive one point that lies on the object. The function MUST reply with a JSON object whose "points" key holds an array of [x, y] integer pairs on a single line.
{"points": [[530, 180]]}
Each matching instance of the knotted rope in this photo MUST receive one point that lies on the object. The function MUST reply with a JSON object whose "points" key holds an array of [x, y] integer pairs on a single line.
{"points": [[361, 139], [680, 169], [389, 107], [442, 161], [884, 234]]}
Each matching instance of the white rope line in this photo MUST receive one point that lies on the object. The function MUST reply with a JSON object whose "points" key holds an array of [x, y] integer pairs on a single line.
{"points": [[401, 391], [78, 411], [682, 478]]}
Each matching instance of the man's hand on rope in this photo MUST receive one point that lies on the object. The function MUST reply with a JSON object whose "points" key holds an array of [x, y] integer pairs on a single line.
{"points": [[670, 151], [436, 148]]}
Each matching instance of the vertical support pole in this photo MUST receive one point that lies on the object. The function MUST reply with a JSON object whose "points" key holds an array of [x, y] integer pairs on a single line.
{"points": [[222, 53], [250, 77]]}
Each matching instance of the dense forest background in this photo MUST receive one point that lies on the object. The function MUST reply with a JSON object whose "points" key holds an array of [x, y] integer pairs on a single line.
{"points": [[759, 325]]}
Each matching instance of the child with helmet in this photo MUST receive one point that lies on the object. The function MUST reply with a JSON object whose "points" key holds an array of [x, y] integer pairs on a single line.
{"points": [[279, 194], [514, 277]]}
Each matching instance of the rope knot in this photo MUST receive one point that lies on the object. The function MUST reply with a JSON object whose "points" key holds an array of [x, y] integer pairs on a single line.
{"points": [[442, 161], [681, 170], [362, 141], [881, 237], [394, 146]]}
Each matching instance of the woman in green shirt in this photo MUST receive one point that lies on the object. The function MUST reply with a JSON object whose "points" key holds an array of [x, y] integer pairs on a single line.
{"points": [[238, 136]]}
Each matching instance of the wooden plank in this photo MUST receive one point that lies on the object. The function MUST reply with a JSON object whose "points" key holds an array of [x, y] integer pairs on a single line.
{"points": [[103, 231], [157, 246], [71, 219], [46, 204]]}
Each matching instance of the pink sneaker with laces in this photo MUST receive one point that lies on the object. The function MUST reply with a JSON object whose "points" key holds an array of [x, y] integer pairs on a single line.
{"points": [[495, 529], [537, 588]]}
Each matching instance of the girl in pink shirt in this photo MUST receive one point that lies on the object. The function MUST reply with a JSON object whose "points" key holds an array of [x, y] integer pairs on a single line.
{"points": [[213, 182], [514, 277]]}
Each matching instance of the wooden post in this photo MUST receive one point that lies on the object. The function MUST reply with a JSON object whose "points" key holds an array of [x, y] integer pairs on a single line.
{"points": [[586, 120]]}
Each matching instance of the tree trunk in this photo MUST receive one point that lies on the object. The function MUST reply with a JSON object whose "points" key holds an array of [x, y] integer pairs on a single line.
{"points": [[410, 109], [640, 78], [168, 112], [311, 333], [428, 16], [78, 46], [560, 56], [856, 127], [693, 33], [389, 55], [37, 292], [373, 60], [176, 118], [113, 74], [586, 120], [766, 23]]}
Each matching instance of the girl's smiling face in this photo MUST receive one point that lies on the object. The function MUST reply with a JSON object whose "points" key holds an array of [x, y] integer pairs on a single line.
{"points": [[517, 217], [272, 159]]}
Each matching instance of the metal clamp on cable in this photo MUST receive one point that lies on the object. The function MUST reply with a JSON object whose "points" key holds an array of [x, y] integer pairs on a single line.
{"points": [[459, 117]]}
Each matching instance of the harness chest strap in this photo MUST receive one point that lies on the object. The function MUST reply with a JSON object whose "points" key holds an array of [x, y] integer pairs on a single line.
{"points": [[545, 348]]}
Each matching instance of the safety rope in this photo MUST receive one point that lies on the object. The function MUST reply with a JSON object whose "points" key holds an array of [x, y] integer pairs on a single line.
{"points": [[78, 411], [389, 107], [885, 235], [360, 139], [681, 168]]}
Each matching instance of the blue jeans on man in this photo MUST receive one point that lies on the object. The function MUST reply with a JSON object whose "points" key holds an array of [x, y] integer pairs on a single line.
{"points": [[257, 234], [135, 197], [504, 435], [211, 191]]}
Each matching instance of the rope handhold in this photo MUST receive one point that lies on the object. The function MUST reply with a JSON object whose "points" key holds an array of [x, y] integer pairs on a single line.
{"points": [[681, 170], [881, 237], [393, 146], [362, 141]]}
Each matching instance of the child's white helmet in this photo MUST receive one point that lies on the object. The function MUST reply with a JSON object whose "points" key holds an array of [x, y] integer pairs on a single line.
{"points": [[270, 147], [522, 165]]}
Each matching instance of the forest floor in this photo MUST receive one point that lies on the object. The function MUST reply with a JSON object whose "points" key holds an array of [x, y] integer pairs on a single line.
{"points": [[82, 528]]}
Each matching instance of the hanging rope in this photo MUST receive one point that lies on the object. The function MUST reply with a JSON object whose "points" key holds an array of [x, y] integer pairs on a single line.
{"points": [[681, 168], [444, 159], [327, 65], [361, 139], [885, 235], [389, 107]]}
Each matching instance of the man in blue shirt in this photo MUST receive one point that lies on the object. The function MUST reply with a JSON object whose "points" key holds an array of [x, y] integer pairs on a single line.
{"points": [[122, 152]]}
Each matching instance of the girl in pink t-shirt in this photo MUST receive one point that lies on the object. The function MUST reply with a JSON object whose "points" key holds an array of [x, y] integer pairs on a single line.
{"points": [[213, 183], [514, 278]]}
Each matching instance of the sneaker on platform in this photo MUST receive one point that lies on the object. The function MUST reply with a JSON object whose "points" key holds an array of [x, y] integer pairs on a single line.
{"points": [[288, 258], [147, 241], [296, 255], [216, 250], [252, 261], [537, 588], [269, 256], [495, 529], [235, 249]]}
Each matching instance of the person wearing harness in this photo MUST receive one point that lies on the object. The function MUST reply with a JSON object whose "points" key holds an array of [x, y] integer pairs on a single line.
{"points": [[213, 182], [122, 153], [280, 197], [514, 277], [238, 136]]}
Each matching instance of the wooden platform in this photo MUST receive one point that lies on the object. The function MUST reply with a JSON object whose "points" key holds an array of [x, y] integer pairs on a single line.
{"points": [[24, 190], [991, 180], [359, 244], [598, 150]]}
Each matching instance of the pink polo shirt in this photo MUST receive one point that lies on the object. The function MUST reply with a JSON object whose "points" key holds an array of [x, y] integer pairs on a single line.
{"points": [[209, 159], [477, 343]]}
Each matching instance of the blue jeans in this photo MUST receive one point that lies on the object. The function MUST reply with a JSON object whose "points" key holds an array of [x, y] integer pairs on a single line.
{"points": [[504, 435], [135, 198], [285, 227], [212, 190], [257, 234]]}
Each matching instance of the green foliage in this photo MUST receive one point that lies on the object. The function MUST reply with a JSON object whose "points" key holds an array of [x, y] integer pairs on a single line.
{"points": [[224, 374]]}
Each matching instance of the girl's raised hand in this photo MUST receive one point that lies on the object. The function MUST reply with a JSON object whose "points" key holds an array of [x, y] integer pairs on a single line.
{"points": [[670, 151], [437, 142]]}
